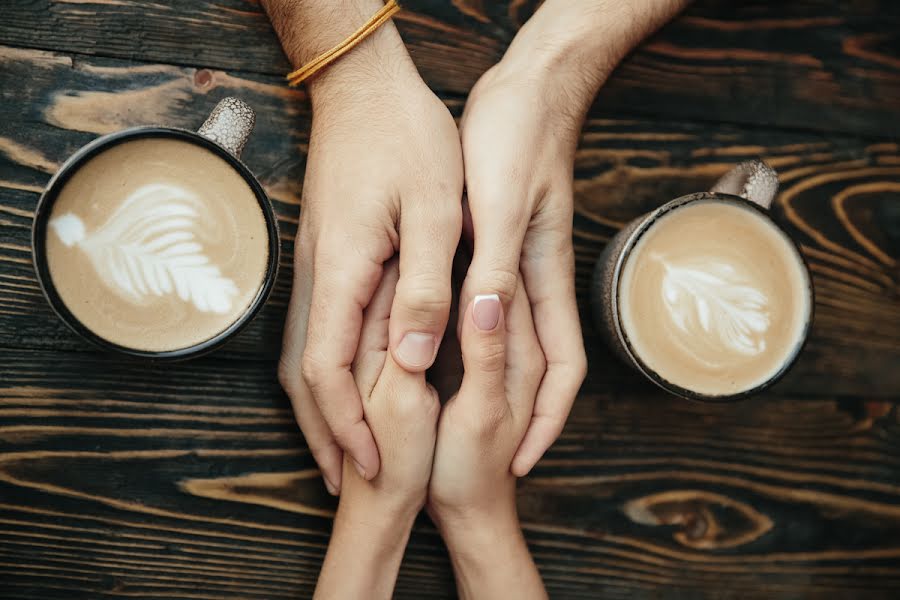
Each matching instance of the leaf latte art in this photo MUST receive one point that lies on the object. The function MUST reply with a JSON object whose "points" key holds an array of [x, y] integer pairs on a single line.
{"points": [[713, 299], [149, 247]]}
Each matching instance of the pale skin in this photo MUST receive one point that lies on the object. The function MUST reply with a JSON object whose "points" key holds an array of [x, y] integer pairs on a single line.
{"points": [[464, 476], [385, 176]]}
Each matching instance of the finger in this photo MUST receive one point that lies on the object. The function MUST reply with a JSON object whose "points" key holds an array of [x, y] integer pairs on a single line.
{"points": [[373, 339], [483, 344], [342, 286], [525, 363], [325, 451], [498, 230], [549, 275], [429, 234]]}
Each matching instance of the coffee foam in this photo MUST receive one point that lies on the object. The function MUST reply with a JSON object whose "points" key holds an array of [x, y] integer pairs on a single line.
{"points": [[713, 298], [157, 244]]}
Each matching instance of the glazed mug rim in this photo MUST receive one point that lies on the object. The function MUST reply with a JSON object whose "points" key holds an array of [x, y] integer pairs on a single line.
{"points": [[646, 223], [79, 159]]}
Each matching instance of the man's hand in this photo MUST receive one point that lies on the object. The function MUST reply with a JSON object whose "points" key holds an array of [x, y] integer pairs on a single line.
{"points": [[383, 175], [519, 133]]}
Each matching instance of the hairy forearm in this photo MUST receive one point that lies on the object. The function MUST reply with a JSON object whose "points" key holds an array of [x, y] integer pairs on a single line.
{"points": [[307, 28], [491, 559], [365, 551]]}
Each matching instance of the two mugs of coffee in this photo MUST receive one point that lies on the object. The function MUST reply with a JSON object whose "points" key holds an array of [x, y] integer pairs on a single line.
{"points": [[159, 243]]}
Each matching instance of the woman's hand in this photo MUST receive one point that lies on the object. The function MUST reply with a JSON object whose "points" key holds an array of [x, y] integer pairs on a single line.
{"points": [[471, 497], [519, 144], [383, 175], [375, 517], [519, 133]]}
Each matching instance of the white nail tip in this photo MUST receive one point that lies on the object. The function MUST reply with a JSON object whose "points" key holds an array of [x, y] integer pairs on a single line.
{"points": [[481, 297]]}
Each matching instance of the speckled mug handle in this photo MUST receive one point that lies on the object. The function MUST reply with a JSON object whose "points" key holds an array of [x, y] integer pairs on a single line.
{"points": [[753, 179], [229, 125]]}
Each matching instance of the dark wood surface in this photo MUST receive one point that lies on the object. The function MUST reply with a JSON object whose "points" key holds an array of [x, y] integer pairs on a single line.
{"points": [[121, 479]]}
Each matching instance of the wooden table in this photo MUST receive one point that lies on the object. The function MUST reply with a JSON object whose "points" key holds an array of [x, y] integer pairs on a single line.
{"points": [[121, 479]]}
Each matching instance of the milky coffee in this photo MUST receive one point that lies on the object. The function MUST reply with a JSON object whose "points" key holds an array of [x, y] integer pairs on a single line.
{"points": [[714, 298], [157, 244]]}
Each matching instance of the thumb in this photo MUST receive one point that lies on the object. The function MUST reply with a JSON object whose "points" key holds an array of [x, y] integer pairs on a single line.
{"points": [[483, 343], [429, 234], [498, 236]]}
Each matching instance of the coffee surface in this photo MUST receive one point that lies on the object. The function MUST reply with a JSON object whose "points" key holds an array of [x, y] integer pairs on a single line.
{"points": [[157, 244], [713, 298]]}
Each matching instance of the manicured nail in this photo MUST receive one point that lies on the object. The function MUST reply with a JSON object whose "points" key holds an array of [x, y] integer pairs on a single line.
{"points": [[359, 469], [332, 489], [486, 311], [416, 349]]}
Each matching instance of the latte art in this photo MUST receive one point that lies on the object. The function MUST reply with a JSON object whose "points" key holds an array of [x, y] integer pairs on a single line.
{"points": [[148, 247], [157, 244], [713, 298]]}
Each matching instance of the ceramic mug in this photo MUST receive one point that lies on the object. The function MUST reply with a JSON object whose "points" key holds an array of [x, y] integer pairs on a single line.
{"points": [[223, 134], [751, 185]]}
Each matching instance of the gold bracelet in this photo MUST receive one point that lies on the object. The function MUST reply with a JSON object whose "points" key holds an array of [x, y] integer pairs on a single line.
{"points": [[320, 62]]}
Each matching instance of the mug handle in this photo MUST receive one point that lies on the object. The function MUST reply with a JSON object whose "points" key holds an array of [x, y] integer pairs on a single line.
{"points": [[753, 179], [229, 125]]}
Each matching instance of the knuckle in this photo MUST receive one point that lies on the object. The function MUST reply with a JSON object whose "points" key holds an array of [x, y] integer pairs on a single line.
{"points": [[425, 296], [500, 281], [312, 370], [409, 408]]}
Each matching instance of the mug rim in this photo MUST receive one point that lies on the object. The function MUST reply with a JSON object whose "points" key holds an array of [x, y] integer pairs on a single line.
{"points": [[86, 153], [647, 222]]}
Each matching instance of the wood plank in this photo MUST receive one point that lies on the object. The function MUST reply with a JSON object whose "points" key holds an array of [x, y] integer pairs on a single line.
{"points": [[839, 199], [191, 481], [822, 64]]}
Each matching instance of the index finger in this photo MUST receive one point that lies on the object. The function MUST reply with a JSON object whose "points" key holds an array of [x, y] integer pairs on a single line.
{"points": [[342, 287]]}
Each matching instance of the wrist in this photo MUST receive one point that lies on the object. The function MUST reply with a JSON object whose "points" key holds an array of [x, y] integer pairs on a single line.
{"points": [[574, 46], [382, 526], [378, 66], [468, 530], [564, 48], [366, 547], [491, 559]]}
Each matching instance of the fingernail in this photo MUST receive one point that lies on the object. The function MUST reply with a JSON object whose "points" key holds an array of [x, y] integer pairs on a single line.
{"points": [[359, 469], [332, 489], [416, 349], [486, 311]]}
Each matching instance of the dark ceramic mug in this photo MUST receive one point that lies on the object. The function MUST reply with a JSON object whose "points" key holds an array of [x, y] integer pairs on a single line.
{"points": [[224, 134], [752, 185]]}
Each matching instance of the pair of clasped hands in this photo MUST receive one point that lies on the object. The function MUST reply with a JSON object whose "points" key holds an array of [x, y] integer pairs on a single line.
{"points": [[383, 215]]}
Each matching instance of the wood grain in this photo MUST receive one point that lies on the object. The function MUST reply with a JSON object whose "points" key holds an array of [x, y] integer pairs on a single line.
{"points": [[191, 480], [838, 199], [827, 64], [121, 479]]}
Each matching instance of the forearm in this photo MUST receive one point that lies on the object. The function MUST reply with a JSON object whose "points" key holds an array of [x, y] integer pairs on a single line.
{"points": [[307, 28], [573, 46], [365, 552], [491, 559]]}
